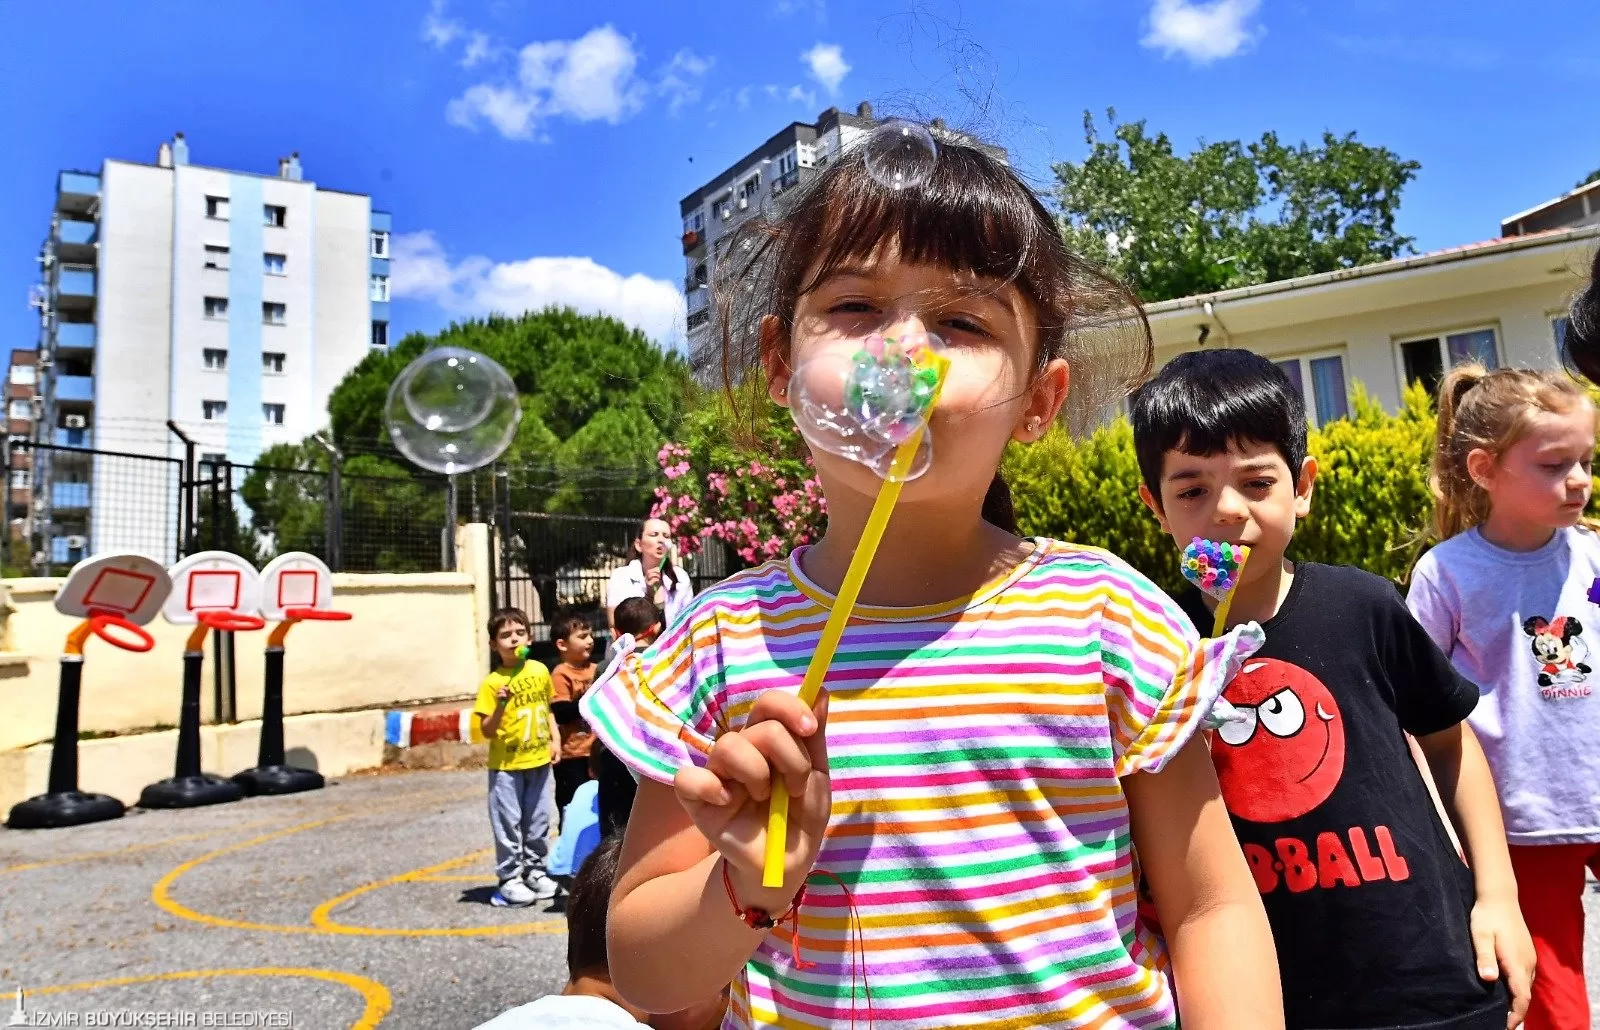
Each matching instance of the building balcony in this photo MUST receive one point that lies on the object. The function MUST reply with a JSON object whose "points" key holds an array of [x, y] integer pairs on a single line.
{"points": [[75, 336], [75, 240], [77, 192], [698, 299], [692, 241], [699, 318], [69, 495], [75, 388], [72, 438], [75, 287]]}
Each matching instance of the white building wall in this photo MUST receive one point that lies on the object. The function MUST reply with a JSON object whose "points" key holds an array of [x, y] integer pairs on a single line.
{"points": [[296, 290], [193, 333], [343, 311]]}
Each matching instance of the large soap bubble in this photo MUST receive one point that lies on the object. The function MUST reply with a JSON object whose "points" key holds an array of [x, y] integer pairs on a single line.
{"points": [[900, 154], [864, 404], [452, 410]]}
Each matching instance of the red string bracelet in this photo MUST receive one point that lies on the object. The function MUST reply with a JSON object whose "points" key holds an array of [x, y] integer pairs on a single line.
{"points": [[761, 919]]}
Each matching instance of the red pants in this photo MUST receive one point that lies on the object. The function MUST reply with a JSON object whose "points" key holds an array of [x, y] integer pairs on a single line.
{"points": [[1550, 884]]}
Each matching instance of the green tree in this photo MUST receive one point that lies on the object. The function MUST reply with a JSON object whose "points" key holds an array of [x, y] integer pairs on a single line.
{"points": [[1593, 176], [1230, 213]]}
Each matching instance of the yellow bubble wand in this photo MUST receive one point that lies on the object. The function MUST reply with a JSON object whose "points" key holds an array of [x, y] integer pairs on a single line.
{"points": [[931, 370]]}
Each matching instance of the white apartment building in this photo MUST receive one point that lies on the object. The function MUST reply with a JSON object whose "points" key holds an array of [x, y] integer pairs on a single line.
{"points": [[226, 304], [754, 182]]}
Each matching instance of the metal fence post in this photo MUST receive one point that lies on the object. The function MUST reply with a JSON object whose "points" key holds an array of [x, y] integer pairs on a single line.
{"points": [[187, 487], [450, 501], [332, 508]]}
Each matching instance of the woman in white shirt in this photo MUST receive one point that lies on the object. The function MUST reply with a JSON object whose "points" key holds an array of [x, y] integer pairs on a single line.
{"points": [[651, 574]]}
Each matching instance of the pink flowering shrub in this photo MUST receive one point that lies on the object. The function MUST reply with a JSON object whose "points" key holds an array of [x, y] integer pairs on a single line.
{"points": [[762, 500]]}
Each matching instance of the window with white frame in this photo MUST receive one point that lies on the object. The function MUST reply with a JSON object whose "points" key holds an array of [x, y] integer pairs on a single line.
{"points": [[380, 333], [216, 359], [1321, 380], [274, 215], [216, 307], [273, 313], [214, 411], [19, 479], [21, 409], [380, 243], [217, 207], [217, 256], [1426, 359], [273, 264], [273, 413], [380, 287], [24, 375], [271, 363]]}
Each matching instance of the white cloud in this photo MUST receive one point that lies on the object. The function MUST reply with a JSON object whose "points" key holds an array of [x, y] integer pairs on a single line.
{"points": [[742, 98], [478, 286], [477, 50], [816, 7], [827, 65], [681, 80], [1202, 31], [436, 28], [586, 79]]}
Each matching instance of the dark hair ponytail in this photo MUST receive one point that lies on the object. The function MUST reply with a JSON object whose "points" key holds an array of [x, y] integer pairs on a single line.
{"points": [[1582, 350], [997, 508]]}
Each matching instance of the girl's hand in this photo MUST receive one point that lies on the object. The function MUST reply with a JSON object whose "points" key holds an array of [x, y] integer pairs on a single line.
{"points": [[1504, 948], [652, 579], [728, 798], [503, 694]]}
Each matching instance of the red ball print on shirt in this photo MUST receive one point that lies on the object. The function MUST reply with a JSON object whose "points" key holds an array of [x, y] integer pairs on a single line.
{"points": [[1285, 754]]}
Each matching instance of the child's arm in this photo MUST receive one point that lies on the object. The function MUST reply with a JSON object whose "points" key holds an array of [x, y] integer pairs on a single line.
{"points": [[1466, 787], [1223, 958], [555, 737], [673, 936], [490, 724]]}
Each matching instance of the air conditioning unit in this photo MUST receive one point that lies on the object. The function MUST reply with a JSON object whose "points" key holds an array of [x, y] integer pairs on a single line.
{"points": [[744, 203], [75, 421], [726, 212], [77, 543]]}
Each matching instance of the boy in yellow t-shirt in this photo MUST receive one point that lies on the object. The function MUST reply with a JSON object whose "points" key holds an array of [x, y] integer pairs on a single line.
{"points": [[513, 711]]}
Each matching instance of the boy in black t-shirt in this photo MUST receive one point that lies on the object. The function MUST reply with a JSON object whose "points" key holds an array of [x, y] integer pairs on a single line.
{"points": [[1377, 920]]}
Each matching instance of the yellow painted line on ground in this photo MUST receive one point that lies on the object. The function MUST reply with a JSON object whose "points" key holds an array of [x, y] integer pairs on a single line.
{"points": [[483, 878], [119, 852], [321, 917], [376, 996], [161, 895]]}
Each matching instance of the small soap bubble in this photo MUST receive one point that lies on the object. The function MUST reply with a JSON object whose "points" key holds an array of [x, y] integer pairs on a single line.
{"points": [[900, 154], [452, 410]]}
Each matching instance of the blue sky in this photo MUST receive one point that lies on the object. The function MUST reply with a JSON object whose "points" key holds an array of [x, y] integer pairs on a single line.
{"points": [[536, 152]]}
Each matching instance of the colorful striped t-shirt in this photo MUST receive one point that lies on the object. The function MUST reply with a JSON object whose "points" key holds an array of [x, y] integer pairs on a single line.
{"points": [[975, 750]]}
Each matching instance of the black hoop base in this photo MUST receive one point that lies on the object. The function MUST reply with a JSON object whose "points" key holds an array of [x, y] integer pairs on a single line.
{"points": [[190, 792], [278, 779], [63, 808]]}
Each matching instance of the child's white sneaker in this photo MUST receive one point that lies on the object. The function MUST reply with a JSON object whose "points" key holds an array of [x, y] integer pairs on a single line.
{"points": [[540, 887], [514, 893]]}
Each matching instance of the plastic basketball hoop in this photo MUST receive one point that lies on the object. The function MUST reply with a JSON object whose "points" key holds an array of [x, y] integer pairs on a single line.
{"points": [[230, 622], [317, 615], [101, 625]]}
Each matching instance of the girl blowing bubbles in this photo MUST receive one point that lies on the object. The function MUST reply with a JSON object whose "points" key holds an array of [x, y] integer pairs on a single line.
{"points": [[975, 795], [1507, 595]]}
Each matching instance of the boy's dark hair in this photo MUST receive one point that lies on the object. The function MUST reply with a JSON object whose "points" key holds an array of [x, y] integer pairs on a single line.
{"points": [[566, 625], [1203, 402], [503, 616], [1582, 346], [635, 615], [587, 901]]}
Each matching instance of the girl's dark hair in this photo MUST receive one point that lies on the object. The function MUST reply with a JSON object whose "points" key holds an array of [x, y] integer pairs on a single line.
{"points": [[972, 215], [587, 901], [1582, 350], [997, 507], [634, 554]]}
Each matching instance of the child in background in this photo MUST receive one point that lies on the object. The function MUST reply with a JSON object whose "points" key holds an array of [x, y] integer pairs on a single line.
{"points": [[973, 794], [638, 622], [569, 679], [1508, 594], [1375, 917], [513, 711], [589, 1001]]}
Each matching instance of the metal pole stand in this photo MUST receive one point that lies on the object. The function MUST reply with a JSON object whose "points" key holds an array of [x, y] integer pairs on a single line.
{"points": [[188, 787], [64, 804], [272, 774]]}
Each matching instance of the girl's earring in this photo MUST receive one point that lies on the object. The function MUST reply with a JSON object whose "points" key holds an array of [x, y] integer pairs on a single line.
{"points": [[1033, 425]]}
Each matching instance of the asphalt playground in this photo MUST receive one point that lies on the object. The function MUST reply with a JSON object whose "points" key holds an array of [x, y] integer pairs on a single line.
{"points": [[362, 904]]}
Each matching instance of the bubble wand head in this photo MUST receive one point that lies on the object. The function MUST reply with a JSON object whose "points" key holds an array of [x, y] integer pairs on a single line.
{"points": [[1215, 567]]}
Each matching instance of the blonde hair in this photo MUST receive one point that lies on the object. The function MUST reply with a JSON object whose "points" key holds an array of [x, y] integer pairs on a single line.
{"points": [[1489, 411]]}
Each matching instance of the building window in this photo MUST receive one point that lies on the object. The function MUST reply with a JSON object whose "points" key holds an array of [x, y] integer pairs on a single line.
{"points": [[1426, 360], [271, 363], [217, 207], [380, 287], [24, 375], [22, 409], [274, 263], [695, 222], [273, 413], [212, 458], [1329, 396], [216, 256], [214, 411], [380, 244], [19, 479], [216, 359], [274, 215], [273, 313], [216, 307], [380, 334]]}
